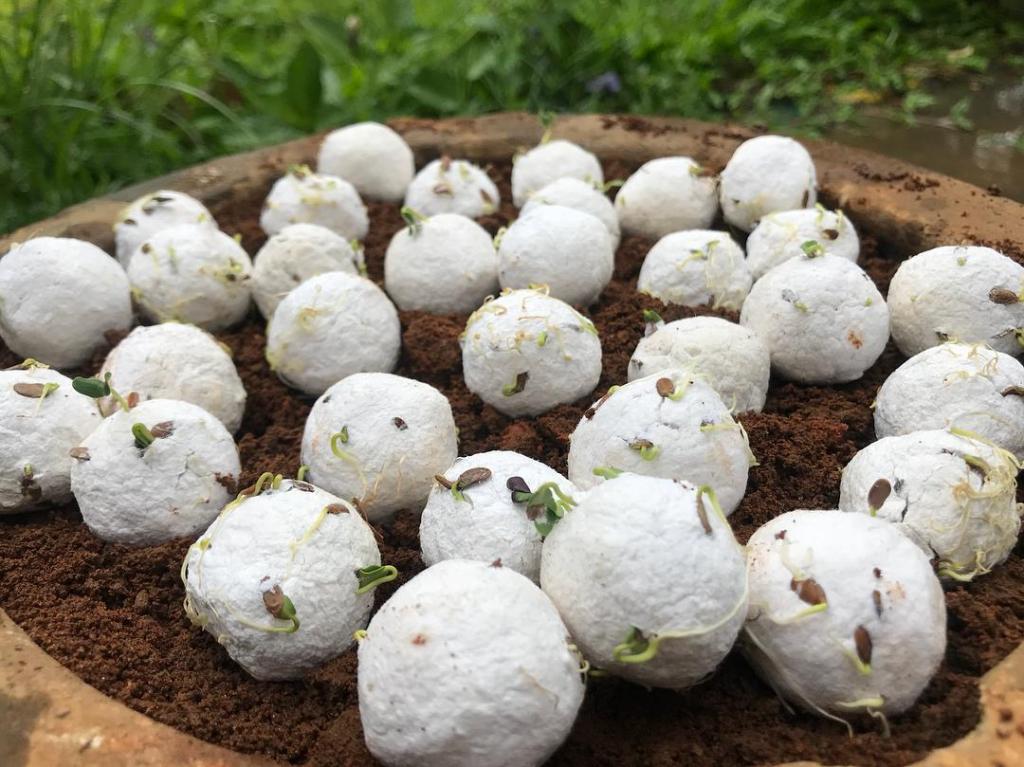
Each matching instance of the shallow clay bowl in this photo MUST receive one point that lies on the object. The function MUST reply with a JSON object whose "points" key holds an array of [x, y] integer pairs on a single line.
{"points": [[48, 716]]}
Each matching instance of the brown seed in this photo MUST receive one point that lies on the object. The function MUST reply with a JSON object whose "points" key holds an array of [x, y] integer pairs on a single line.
{"points": [[781, 535], [31, 390], [702, 514], [878, 573], [273, 600], [876, 595], [443, 189], [337, 508], [590, 411], [497, 563], [665, 387], [862, 639], [130, 222], [640, 444], [305, 487], [878, 493], [80, 453], [226, 480], [474, 476], [442, 481], [517, 485], [399, 423], [1003, 296], [162, 429], [419, 639], [809, 591], [146, 247], [1014, 390], [805, 199], [855, 340], [486, 197], [830, 233], [132, 399]]}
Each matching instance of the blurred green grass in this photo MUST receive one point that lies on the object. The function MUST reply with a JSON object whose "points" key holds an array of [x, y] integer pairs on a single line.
{"points": [[97, 94]]}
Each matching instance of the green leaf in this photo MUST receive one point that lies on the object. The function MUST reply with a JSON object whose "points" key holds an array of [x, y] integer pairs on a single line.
{"points": [[304, 88]]}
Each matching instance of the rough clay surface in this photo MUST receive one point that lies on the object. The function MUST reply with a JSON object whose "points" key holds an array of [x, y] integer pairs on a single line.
{"points": [[766, 174], [580, 195], [467, 665], [452, 186], [370, 156], [302, 197], [152, 212], [669, 194], [549, 162], [778, 237], [695, 268]]}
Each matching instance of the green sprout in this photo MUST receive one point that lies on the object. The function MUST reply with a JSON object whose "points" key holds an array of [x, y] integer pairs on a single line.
{"points": [[516, 386], [647, 449], [651, 317], [499, 236], [635, 648], [606, 472], [544, 506], [282, 608], [547, 121], [372, 576], [542, 338], [300, 475], [413, 219], [812, 249], [143, 436], [95, 388]]}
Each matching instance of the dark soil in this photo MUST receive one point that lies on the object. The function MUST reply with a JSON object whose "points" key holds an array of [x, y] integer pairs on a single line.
{"points": [[113, 614]]}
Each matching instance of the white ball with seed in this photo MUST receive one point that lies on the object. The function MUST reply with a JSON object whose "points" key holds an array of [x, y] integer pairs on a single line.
{"points": [[452, 186], [958, 293], [649, 579], [525, 352], [549, 162], [59, 297], [192, 274], [331, 326], [152, 212], [483, 521], [667, 425], [668, 194], [953, 495], [579, 195], [295, 541], [766, 174], [967, 386], [822, 319], [445, 264], [171, 488], [695, 268], [467, 665], [379, 439], [304, 197], [846, 615], [175, 361], [370, 156], [566, 249], [779, 237], [293, 255], [43, 418], [730, 357]]}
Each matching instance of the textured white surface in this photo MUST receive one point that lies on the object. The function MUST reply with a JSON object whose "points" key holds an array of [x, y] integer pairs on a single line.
{"points": [[331, 326], [192, 274], [452, 186], [778, 237], [696, 267], [566, 249], [525, 335], [822, 319], [943, 295], [283, 538], [467, 665], [293, 255], [400, 434], [371, 157], [175, 361], [488, 526], [580, 195], [39, 434], [635, 554], [169, 489], [766, 174], [955, 385], [444, 265], [58, 296], [301, 197], [549, 162], [965, 513], [810, 657], [152, 212], [730, 357], [665, 195]]}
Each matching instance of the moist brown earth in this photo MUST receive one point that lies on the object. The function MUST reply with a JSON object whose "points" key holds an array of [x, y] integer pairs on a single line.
{"points": [[113, 614]]}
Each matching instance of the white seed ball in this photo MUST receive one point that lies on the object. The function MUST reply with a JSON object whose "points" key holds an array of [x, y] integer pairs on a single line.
{"points": [[766, 174], [954, 496], [445, 265], [525, 352], [467, 665], [549, 162], [488, 525], [370, 156], [192, 274], [152, 212], [58, 297], [644, 563], [379, 439], [172, 488], [695, 268], [958, 293], [579, 195], [685, 433], [566, 249], [778, 237], [301, 197], [730, 357], [301, 540], [668, 194], [822, 319], [970, 387], [881, 635], [331, 326], [293, 255], [35, 469], [452, 186], [175, 361]]}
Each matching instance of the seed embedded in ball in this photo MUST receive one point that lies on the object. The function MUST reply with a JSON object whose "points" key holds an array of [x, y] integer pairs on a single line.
{"points": [[152, 212], [304, 197], [668, 194], [370, 156], [550, 161], [452, 186], [779, 237], [695, 268], [766, 174]]}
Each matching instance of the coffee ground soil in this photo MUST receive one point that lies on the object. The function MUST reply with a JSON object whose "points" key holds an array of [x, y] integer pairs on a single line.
{"points": [[113, 614]]}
